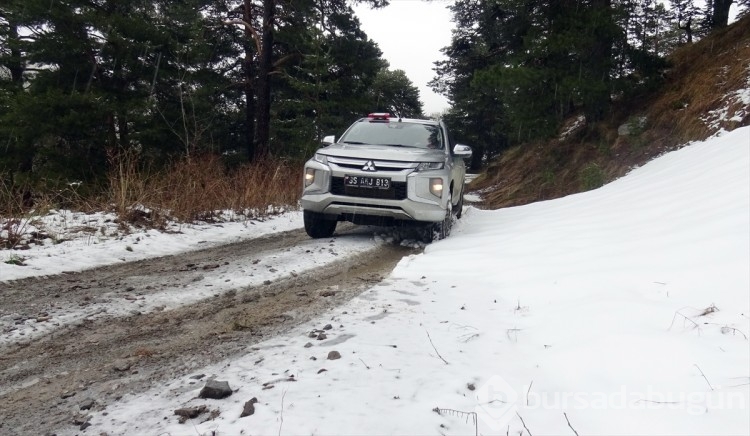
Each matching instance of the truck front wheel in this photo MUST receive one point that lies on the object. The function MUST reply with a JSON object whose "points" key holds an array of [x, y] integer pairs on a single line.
{"points": [[317, 225]]}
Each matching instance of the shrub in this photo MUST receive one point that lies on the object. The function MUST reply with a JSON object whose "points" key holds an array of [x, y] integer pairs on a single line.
{"points": [[591, 177]]}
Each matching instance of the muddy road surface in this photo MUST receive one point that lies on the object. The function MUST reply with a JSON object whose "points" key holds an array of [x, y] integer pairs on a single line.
{"points": [[80, 341]]}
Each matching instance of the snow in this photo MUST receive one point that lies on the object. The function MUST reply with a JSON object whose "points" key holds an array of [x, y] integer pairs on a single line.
{"points": [[734, 107], [623, 310], [81, 241], [213, 281]]}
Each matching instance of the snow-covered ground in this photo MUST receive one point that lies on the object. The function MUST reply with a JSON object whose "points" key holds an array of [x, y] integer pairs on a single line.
{"points": [[76, 241], [624, 310]]}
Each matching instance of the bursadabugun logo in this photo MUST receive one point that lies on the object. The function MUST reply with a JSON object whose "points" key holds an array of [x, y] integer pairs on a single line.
{"points": [[496, 402]]}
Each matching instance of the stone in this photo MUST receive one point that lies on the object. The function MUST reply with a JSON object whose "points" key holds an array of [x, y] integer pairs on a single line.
{"points": [[249, 408], [189, 413], [216, 389], [80, 420], [334, 355], [86, 404], [632, 127], [122, 365]]}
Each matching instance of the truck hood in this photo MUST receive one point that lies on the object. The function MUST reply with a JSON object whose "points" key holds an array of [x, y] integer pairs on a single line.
{"points": [[383, 152]]}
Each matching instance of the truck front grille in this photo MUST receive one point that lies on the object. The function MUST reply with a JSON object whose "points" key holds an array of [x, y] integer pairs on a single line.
{"points": [[396, 192]]}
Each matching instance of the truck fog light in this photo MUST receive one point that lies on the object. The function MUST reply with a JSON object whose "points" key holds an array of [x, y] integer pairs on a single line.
{"points": [[436, 187], [309, 176]]}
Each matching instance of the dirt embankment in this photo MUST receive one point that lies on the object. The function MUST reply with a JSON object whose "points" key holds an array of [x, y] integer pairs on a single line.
{"points": [[49, 381]]}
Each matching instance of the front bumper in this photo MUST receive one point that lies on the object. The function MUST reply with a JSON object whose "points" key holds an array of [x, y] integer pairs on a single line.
{"points": [[418, 204]]}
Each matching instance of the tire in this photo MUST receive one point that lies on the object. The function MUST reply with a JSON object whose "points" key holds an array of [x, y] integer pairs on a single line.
{"points": [[442, 229], [317, 225], [460, 206]]}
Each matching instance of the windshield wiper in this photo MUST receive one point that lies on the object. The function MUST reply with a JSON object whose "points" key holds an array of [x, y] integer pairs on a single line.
{"points": [[400, 145], [356, 143]]}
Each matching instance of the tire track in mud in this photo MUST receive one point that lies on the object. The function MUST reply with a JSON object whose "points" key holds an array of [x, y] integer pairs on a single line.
{"points": [[45, 379]]}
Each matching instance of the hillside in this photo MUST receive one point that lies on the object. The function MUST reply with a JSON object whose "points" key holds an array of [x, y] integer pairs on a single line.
{"points": [[707, 89]]}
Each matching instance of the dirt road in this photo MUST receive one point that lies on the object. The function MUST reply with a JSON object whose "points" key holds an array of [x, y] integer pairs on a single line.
{"points": [[128, 336]]}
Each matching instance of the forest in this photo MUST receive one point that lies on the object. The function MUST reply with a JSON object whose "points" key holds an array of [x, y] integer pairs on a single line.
{"points": [[85, 82]]}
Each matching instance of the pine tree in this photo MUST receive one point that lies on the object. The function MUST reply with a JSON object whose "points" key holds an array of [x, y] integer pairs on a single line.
{"points": [[105, 75], [395, 93]]}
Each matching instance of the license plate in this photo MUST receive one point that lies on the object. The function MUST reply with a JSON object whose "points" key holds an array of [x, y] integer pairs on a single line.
{"points": [[367, 182]]}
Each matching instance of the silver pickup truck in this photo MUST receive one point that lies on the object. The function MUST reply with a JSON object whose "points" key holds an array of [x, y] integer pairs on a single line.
{"points": [[386, 171]]}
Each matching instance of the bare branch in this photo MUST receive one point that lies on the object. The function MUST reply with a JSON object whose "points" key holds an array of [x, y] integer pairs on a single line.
{"points": [[529, 390], [524, 424], [571, 427], [726, 329], [281, 415], [433, 347], [695, 324], [704, 376], [460, 414], [250, 29]]}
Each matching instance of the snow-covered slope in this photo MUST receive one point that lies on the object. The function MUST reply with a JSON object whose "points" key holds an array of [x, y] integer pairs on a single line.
{"points": [[624, 310]]}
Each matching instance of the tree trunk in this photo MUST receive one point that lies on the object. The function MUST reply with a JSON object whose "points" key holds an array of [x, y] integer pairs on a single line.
{"points": [[16, 65], [249, 81], [600, 62], [121, 113], [721, 13], [264, 82], [122, 129]]}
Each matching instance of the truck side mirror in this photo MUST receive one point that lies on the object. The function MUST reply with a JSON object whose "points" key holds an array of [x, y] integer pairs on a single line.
{"points": [[463, 151]]}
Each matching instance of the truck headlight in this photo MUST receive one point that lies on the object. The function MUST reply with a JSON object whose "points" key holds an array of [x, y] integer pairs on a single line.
{"points": [[436, 186], [426, 166], [309, 176], [321, 158]]}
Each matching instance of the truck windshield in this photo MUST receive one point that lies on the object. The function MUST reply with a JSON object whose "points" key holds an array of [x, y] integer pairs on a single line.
{"points": [[404, 134]]}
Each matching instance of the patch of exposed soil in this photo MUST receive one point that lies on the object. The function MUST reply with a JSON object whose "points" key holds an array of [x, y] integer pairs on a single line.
{"points": [[50, 382]]}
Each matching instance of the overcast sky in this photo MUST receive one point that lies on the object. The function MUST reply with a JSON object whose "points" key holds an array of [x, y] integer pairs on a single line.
{"points": [[410, 33]]}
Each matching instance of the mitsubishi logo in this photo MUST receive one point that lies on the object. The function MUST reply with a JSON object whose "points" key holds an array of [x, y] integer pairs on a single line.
{"points": [[369, 166]]}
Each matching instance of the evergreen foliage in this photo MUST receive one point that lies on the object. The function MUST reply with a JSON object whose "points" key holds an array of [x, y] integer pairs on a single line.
{"points": [[82, 81], [517, 69]]}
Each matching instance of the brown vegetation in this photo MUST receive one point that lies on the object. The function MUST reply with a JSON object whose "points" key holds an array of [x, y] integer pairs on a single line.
{"points": [[197, 187], [703, 78], [192, 188]]}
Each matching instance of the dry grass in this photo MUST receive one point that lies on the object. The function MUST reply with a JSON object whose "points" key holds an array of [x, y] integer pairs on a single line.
{"points": [[195, 188], [17, 211], [703, 77], [198, 187]]}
